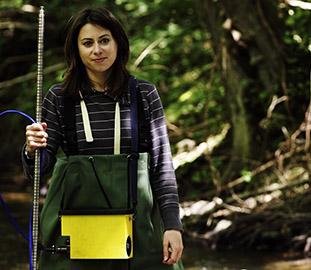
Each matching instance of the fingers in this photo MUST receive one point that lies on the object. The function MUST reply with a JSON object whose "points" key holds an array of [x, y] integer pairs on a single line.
{"points": [[36, 137], [37, 126], [172, 247], [166, 255], [174, 255]]}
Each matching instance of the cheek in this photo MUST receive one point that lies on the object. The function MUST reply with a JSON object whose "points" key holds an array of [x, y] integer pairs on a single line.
{"points": [[115, 52], [82, 54]]}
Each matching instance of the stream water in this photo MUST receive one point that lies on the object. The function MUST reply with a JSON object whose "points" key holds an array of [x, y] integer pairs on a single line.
{"points": [[14, 250]]}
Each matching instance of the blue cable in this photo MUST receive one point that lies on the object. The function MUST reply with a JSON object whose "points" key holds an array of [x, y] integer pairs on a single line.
{"points": [[11, 219], [18, 112], [7, 211]]}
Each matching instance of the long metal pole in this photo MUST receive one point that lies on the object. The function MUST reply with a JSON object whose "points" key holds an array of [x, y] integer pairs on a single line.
{"points": [[37, 173]]}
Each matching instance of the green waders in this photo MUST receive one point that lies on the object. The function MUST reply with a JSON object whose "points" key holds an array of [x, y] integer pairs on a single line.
{"points": [[74, 186]]}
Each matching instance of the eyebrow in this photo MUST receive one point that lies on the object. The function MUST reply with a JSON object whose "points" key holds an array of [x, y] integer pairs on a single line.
{"points": [[102, 36]]}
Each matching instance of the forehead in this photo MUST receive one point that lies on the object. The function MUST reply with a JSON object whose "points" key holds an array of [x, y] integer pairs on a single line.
{"points": [[92, 31]]}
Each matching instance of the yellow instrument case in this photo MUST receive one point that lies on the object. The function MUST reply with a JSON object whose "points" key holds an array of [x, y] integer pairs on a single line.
{"points": [[102, 234]]}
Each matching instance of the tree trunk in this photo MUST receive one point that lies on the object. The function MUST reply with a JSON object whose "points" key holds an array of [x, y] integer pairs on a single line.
{"points": [[246, 41]]}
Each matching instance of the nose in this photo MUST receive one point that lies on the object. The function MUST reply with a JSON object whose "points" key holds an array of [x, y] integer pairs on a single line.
{"points": [[97, 48]]}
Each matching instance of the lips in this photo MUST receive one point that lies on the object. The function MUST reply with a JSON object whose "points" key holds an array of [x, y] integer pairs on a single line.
{"points": [[99, 60]]}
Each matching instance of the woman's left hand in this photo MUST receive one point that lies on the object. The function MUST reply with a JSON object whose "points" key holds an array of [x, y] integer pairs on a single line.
{"points": [[172, 246]]}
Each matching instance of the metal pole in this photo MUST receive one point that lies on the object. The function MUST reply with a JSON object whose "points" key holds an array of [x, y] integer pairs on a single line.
{"points": [[37, 173]]}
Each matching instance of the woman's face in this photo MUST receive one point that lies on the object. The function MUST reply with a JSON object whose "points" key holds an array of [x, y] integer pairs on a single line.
{"points": [[97, 49]]}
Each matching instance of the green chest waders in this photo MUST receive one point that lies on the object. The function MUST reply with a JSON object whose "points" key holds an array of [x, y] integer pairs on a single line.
{"points": [[86, 186]]}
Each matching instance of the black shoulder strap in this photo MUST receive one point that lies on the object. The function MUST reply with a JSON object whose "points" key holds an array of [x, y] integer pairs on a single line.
{"points": [[134, 134], [70, 125], [134, 113]]}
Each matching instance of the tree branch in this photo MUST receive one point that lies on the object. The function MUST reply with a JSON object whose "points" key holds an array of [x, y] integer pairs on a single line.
{"points": [[146, 51], [13, 25], [203, 148], [300, 4]]}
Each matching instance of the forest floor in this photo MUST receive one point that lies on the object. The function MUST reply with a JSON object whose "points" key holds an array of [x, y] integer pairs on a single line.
{"points": [[279, 221]]}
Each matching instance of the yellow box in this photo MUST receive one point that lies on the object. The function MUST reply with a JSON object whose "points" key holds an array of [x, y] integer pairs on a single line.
{"points": [[108, 235]]}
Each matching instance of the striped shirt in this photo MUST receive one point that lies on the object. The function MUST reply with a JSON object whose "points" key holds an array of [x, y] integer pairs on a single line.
{"points": [[101, 110]]}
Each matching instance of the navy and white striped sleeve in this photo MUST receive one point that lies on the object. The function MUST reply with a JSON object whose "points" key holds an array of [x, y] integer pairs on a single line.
{"points": [[163, 179], [50, 115]]}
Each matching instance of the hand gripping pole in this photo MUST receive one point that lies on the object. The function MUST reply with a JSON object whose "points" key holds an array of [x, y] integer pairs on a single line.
{"points": [[37, 173]]}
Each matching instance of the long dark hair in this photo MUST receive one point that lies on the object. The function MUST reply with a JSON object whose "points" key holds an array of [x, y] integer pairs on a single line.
{"points": [[76, 77]]}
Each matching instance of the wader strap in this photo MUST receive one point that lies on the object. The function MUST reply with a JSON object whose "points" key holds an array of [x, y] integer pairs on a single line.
{"points": [[70, 125], [134, 133], [134, 155]]}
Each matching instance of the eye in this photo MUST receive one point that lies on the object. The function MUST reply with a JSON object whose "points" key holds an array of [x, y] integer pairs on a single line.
{"points": [[87, 43], [104, 41]]}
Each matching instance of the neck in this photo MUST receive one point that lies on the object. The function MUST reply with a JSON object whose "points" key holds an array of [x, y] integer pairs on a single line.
{"points": [[100, 87], [98, 81]]}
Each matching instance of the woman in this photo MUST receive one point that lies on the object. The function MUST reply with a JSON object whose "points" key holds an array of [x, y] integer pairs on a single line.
{"points": [[79, 115]]}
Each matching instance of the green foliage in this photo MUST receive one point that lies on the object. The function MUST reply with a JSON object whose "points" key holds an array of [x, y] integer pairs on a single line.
{"points": [[176, 64], [11, 4], [298, 27]]}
